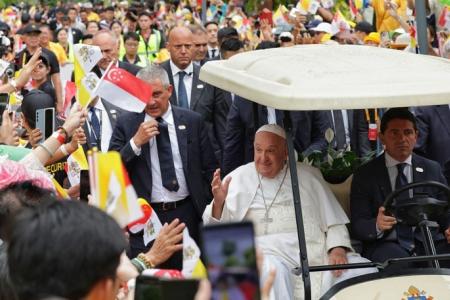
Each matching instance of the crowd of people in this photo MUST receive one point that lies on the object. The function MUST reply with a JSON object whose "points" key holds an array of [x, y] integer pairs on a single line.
{"points": [[199, 154]]}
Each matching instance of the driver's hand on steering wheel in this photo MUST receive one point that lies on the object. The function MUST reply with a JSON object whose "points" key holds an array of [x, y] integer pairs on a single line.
{"points": [[385, 222], [447, 235]]}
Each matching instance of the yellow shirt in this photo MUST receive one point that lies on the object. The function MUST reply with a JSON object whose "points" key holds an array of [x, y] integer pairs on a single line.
{"points": [[59, 52], [385, 22]]}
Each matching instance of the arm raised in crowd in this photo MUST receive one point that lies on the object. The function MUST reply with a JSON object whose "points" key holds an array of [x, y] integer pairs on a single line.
{"points": [[24, 76], [8, 134]]}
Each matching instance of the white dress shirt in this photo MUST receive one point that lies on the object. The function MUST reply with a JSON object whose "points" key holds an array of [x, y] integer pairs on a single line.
{"points": [[216, 51], [105, 125], [187, 79], [159, 192], [271, 115], [391, 165]]}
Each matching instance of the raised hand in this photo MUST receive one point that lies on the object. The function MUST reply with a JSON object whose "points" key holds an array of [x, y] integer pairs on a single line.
{"points": [[220, 191], [145, 132]]}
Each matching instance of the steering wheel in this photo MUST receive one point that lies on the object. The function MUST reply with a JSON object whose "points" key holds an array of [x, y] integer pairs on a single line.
{"points": [[412, 210]]}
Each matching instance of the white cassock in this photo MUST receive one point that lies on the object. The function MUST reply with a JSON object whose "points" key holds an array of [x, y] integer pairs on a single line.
{"points": [[323, 219]]}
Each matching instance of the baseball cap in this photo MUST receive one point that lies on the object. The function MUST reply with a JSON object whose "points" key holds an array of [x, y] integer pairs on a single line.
{"points": [[372, 37], [286, 36], [313, 23], [31, 28], [323, 27]]}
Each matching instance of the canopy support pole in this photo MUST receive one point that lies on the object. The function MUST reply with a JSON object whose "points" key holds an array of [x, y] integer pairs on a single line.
{"points": [[298, 209], [421, 25]]}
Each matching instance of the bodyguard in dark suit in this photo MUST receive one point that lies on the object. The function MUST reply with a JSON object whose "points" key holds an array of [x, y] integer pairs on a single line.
{"points": [[434, 134], [167, 153], [348, 131], [190, 92], [382, 237], [309, 131]]}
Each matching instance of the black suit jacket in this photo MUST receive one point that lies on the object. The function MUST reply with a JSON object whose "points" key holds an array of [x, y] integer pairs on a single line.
{"points": [[359, 141], [433, 123], [197, 156], [371, 186], [203, 102], [309, 130], [113, 114], [76, 34]]}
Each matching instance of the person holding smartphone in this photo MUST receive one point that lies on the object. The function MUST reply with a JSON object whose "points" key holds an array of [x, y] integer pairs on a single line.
{"points": [[261, 191]]}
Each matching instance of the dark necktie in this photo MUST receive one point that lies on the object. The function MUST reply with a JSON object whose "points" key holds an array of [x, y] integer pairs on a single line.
{"points": [[182, 94], [279, 115], [339, 129], [213, 52], [95, 129], [405, 233], [168, 175]]}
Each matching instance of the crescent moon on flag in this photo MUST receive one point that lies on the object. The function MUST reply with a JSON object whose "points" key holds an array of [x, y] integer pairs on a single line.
{"points": [[115, 75]]}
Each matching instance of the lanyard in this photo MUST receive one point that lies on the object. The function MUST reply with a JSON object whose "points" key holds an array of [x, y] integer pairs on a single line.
{"points": [[366, 111]]}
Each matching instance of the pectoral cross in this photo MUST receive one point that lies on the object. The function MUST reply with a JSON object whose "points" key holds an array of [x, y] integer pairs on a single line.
{"points": [[266, 220]]}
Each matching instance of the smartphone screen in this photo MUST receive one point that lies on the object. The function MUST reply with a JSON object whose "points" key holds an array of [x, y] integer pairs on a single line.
{"points": [[49, 122], [147, 287], [85, 187], [231, 260], [155, 288]]}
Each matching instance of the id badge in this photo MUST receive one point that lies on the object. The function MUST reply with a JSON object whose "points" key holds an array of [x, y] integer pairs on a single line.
{"points": [[373, 132]]}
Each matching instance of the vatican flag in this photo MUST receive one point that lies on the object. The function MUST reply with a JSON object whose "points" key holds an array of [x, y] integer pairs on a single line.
{"points": [[85, 59], [111, 187]]}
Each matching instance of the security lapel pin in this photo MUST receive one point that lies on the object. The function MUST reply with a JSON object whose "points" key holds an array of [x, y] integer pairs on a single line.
{"points": [[182, 127], [113, 113], [199, 86], [419, 169]]}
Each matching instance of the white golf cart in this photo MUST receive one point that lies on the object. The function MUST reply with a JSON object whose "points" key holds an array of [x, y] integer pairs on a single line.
{"points": [[325, 77]]}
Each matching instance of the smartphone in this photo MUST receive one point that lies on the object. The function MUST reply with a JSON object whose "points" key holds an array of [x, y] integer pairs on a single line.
{"points": [[85, 186], [147, 287], [45, 121], [159, 288], [230, 257]]}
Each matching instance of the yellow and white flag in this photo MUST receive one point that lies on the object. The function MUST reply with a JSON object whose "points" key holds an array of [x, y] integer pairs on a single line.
{"points": [[150, 222], [75, 163], [193, 267], [85, 58], [111, 187], [85, 90]]}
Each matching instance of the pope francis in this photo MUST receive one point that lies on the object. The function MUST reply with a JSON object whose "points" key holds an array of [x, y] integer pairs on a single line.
{"points": [[261, 191]]}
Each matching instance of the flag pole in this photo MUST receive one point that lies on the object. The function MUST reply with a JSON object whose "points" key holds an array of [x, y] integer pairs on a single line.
{"points": [[94, 92]]}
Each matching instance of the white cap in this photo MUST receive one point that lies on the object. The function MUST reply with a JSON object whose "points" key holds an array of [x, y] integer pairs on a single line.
{"points": [[272, 128], [403, 39], [287, 34], [400, 30], [323, 27]]}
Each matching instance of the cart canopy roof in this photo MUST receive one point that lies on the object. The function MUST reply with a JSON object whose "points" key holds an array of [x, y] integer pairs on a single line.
{"points": [[323, 77]]}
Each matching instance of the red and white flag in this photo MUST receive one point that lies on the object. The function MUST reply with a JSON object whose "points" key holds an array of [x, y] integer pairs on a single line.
{"points": [[150, 222], [124, 90]]}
